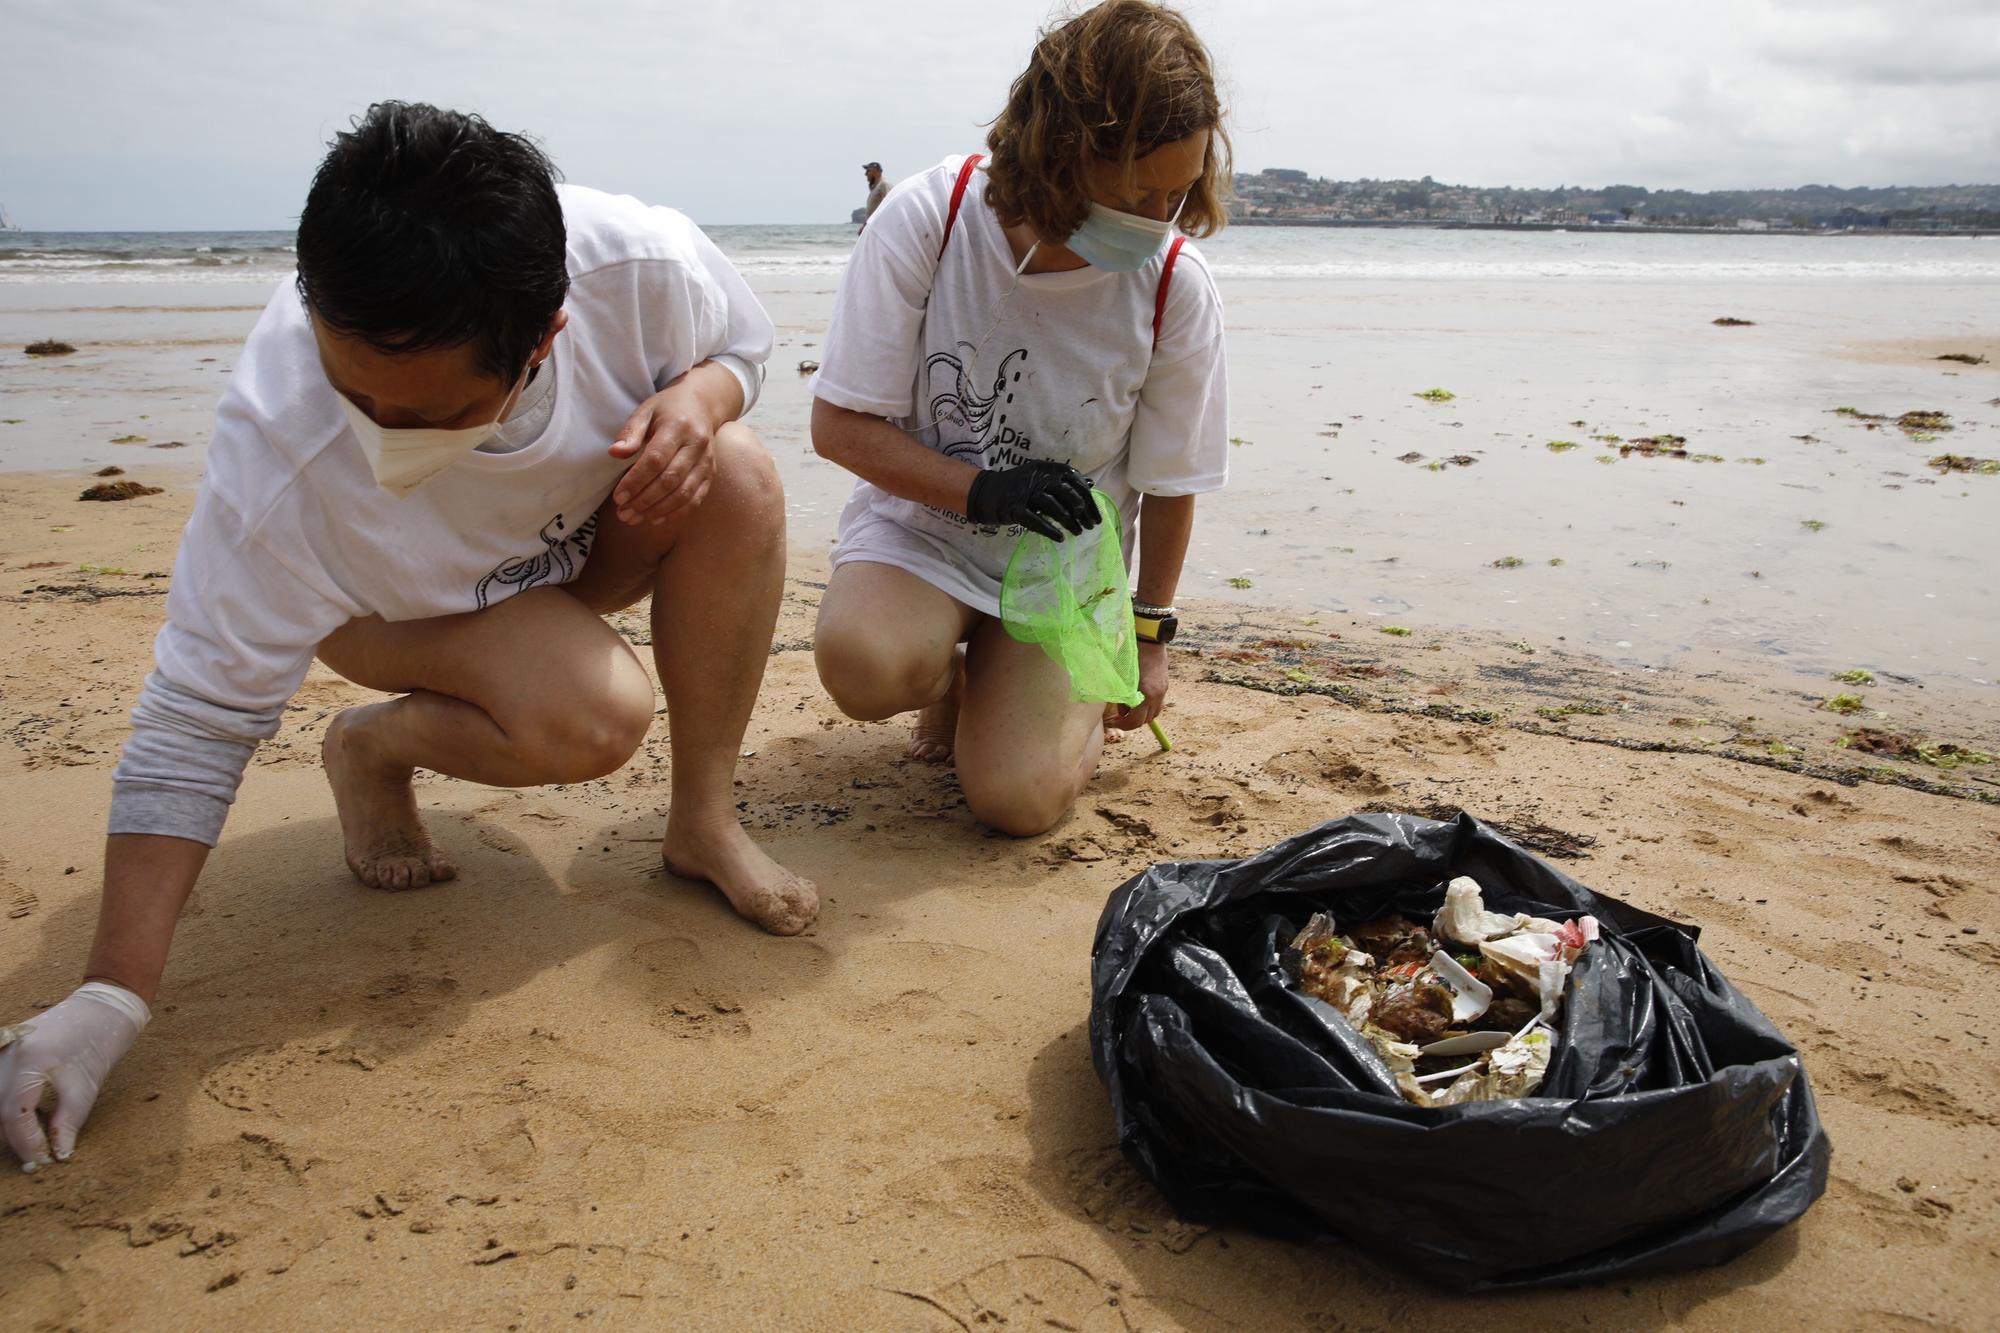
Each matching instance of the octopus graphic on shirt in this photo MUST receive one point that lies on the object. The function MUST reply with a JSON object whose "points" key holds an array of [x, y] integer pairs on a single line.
{"points": [[560, 562], [992, 442]]}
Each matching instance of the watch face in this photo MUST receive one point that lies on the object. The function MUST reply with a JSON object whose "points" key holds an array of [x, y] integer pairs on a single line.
{"points": [[1169, 626]]}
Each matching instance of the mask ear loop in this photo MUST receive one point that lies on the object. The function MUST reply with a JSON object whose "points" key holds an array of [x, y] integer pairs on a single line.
{"points": [[999, 317]]}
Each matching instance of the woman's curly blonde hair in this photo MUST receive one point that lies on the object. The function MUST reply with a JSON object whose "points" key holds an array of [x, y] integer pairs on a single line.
{"points": [[1111, 84]]}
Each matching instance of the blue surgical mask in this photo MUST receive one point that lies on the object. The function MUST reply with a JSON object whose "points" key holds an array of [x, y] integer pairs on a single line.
{"points": [[1120, 242]]}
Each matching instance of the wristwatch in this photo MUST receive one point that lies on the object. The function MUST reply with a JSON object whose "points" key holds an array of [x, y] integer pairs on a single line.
{"points": [[1154, 624]]}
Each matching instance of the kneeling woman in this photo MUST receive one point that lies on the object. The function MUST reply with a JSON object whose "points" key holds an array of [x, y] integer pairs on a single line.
{"points": [[1014, 329]]}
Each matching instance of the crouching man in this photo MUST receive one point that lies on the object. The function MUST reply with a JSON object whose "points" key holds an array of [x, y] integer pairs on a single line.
{"points": [[492, 411]]}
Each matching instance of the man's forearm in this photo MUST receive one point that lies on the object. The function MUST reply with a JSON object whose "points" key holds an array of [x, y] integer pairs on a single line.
{"points": [[1165, 524], [147, 879]]}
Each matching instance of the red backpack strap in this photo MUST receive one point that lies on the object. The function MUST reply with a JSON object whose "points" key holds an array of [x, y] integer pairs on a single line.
{"points": [[1166, 281], [957, 198]]}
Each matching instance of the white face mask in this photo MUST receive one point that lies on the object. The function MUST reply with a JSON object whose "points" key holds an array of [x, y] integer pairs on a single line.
{"points": [[403, 460], [1120, 242]]}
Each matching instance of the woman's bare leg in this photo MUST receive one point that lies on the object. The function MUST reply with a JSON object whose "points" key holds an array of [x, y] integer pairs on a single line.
{"points": [[1025, 748], [888, 643]]}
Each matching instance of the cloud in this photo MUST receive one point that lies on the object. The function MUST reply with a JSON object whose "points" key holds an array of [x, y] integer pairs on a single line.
{"points": [[214, 112], [1925, 44]]}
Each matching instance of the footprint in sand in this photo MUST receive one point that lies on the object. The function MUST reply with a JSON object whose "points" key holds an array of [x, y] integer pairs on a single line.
{"points": [[1900, 1087], [985, 1191], [1031, 1291], [679, 1000], [510, 1153], [406, 999], [1110, 1193], [500, 840], [296, 1081], [1894, 1220], [20, 901]]}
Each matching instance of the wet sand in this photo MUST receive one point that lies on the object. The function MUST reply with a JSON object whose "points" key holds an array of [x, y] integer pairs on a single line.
{"points": [[1652, 561], [567, 1087]]}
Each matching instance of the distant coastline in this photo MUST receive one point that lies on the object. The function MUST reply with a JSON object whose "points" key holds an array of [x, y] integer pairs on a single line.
{"points": [[1610, 228]]}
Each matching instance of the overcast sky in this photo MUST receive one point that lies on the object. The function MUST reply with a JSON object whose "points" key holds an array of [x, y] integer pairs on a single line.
{"points": [[132, 114]]}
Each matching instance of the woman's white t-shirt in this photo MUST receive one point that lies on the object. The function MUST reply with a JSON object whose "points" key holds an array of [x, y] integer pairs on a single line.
{"points": [[1061, 366]]}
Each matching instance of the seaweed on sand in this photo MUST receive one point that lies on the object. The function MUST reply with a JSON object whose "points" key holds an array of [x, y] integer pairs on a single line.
{"points": [[1895, 745], [1576, 708], [1655, 446], [118, 490]]}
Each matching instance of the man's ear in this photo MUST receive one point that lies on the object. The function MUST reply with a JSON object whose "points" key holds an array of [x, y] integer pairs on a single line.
{"points": [[548, 341]]}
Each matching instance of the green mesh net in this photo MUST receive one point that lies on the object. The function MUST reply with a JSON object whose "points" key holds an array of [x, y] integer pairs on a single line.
{"points": [[1071, 598]]}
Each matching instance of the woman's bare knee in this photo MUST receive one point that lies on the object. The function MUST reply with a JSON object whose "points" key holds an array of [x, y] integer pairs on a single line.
{"points": [[1021, 805]]}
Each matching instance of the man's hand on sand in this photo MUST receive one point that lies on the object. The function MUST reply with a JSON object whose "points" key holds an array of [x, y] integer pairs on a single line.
{"points": [[670, 440], [68, 1049]]}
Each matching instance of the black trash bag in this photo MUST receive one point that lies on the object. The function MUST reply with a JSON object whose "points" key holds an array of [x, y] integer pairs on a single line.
{"points": [[1675, 1127]]}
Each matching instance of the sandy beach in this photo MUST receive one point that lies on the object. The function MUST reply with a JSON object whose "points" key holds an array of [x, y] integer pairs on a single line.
{"points": [[569, 1087]]}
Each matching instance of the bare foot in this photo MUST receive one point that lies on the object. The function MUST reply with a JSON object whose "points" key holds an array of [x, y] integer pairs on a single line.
{"points": [[386, 845], [936, 732], [758, 888]]}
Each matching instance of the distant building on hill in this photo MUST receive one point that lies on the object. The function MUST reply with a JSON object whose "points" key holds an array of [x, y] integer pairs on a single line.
{"points": [[1286, 194]]}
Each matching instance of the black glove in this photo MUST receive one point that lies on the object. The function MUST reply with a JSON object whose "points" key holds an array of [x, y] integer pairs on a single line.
{"points": [[1032, 495]]}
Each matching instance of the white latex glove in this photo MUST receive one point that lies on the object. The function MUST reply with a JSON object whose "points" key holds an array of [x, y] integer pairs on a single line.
{"points": [[69, 1048]]}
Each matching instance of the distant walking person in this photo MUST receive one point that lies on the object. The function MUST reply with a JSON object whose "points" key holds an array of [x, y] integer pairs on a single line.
{"points": [[878, 190]]}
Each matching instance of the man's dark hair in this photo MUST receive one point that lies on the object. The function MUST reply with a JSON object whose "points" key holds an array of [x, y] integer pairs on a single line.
{"points": [[427, 228]]}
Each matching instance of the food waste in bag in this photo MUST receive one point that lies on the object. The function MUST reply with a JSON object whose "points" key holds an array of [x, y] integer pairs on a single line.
{"points": [[1653, 1121], [1464, 1010]]}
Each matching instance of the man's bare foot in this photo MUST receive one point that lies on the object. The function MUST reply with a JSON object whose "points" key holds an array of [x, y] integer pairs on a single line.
{"points": [[936, 733], [386, 845], [758, 888]]}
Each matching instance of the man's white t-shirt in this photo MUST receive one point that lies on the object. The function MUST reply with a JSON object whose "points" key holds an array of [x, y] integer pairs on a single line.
{"points": [[291, 537], [1061, 366]]}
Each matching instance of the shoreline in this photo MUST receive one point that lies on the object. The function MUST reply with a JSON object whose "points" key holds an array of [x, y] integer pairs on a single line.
{"points": [[1614, 228]]}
